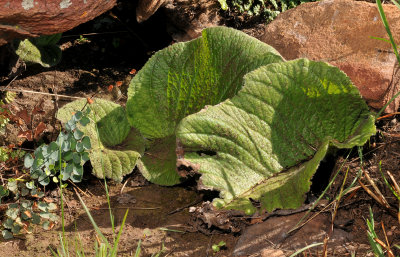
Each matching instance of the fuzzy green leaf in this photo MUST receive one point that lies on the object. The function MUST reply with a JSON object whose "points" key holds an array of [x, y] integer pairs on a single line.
{"points": [[42, 50], [183, 78], [115, 150], [158, 164], [270, 138]]}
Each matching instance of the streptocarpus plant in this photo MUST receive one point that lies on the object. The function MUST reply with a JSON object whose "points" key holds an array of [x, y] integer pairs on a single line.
{"points": [[269, 122], [271, 136]]}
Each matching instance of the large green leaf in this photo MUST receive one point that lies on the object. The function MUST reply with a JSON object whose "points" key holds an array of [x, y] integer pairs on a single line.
{"points": [[116, 147], [185, 77], [270, 137]]}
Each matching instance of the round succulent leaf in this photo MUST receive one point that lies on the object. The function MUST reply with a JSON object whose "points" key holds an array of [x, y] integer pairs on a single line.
{"points": [[24, 191], [85, 157], [44, 179], [13, 212], [7, 234], [84, 121], [77, 158], [12, 185], [52, 207], [78, 134], [28, 161], [30, 184], [119, 147], [35, 218], [46, 224], [8, 223], [79, 147], [66, 172], [270, 137], [86, 143], [67, 156], [54, 156], [16, 228], [3, 191], [184, 77], [53, 146], [77, 116], [26, 204]]}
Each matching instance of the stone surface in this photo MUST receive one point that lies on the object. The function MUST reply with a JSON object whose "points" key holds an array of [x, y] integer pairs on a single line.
{"points": [[187, 18], [339, 32], [272, 253], [31, 18], [271, 235], [146, 8]]}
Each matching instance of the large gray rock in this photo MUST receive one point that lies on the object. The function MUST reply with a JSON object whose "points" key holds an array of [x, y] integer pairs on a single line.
{"points": [[31, 18], [339, 32]]}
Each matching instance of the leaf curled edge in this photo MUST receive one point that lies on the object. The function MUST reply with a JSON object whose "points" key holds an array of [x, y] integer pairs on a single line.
{"points": [[270, 137]]}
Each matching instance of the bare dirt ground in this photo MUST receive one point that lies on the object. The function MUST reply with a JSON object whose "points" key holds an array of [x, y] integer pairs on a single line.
{"points": [[109, 50]]}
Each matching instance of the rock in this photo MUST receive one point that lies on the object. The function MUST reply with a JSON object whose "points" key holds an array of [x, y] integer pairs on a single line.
{"points": [[187, 18], [146, 8], [31, 18], [339, 32], [272, 253], [257, 239]]}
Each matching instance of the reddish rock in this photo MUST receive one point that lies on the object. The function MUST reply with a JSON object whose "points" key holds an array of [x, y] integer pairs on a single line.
{"points": [[339, 32], [187, 18], [146, 8], [31, 18], [261, 239]]}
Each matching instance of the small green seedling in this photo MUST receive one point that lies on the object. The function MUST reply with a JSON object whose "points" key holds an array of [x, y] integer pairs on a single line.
{"points": [[217, 247], [72, 144], [28, 209]]}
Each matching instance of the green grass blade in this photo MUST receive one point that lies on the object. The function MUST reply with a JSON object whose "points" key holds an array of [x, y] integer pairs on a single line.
{"points": [[382, 39], [386, 24], [387, 182], [93, 222], [371, 234], [305, 248], [114, 250], [396, 3], [138, 249]]}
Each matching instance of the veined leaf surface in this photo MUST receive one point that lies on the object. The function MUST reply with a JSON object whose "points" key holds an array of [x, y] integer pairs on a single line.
{"points": [[116, 147], [183, 78], [270, 137], [42, 50]]}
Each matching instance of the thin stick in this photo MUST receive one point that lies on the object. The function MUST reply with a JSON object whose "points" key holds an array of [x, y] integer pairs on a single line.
{"points": [[184, 207], [79, 188], [123, 186], [95, 34], [40, 93], [388, 115]]}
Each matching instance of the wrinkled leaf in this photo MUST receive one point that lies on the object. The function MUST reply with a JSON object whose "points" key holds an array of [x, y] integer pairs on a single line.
{"points": [[115, 150], [270, 138], [158, 162], [183, 78]]}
